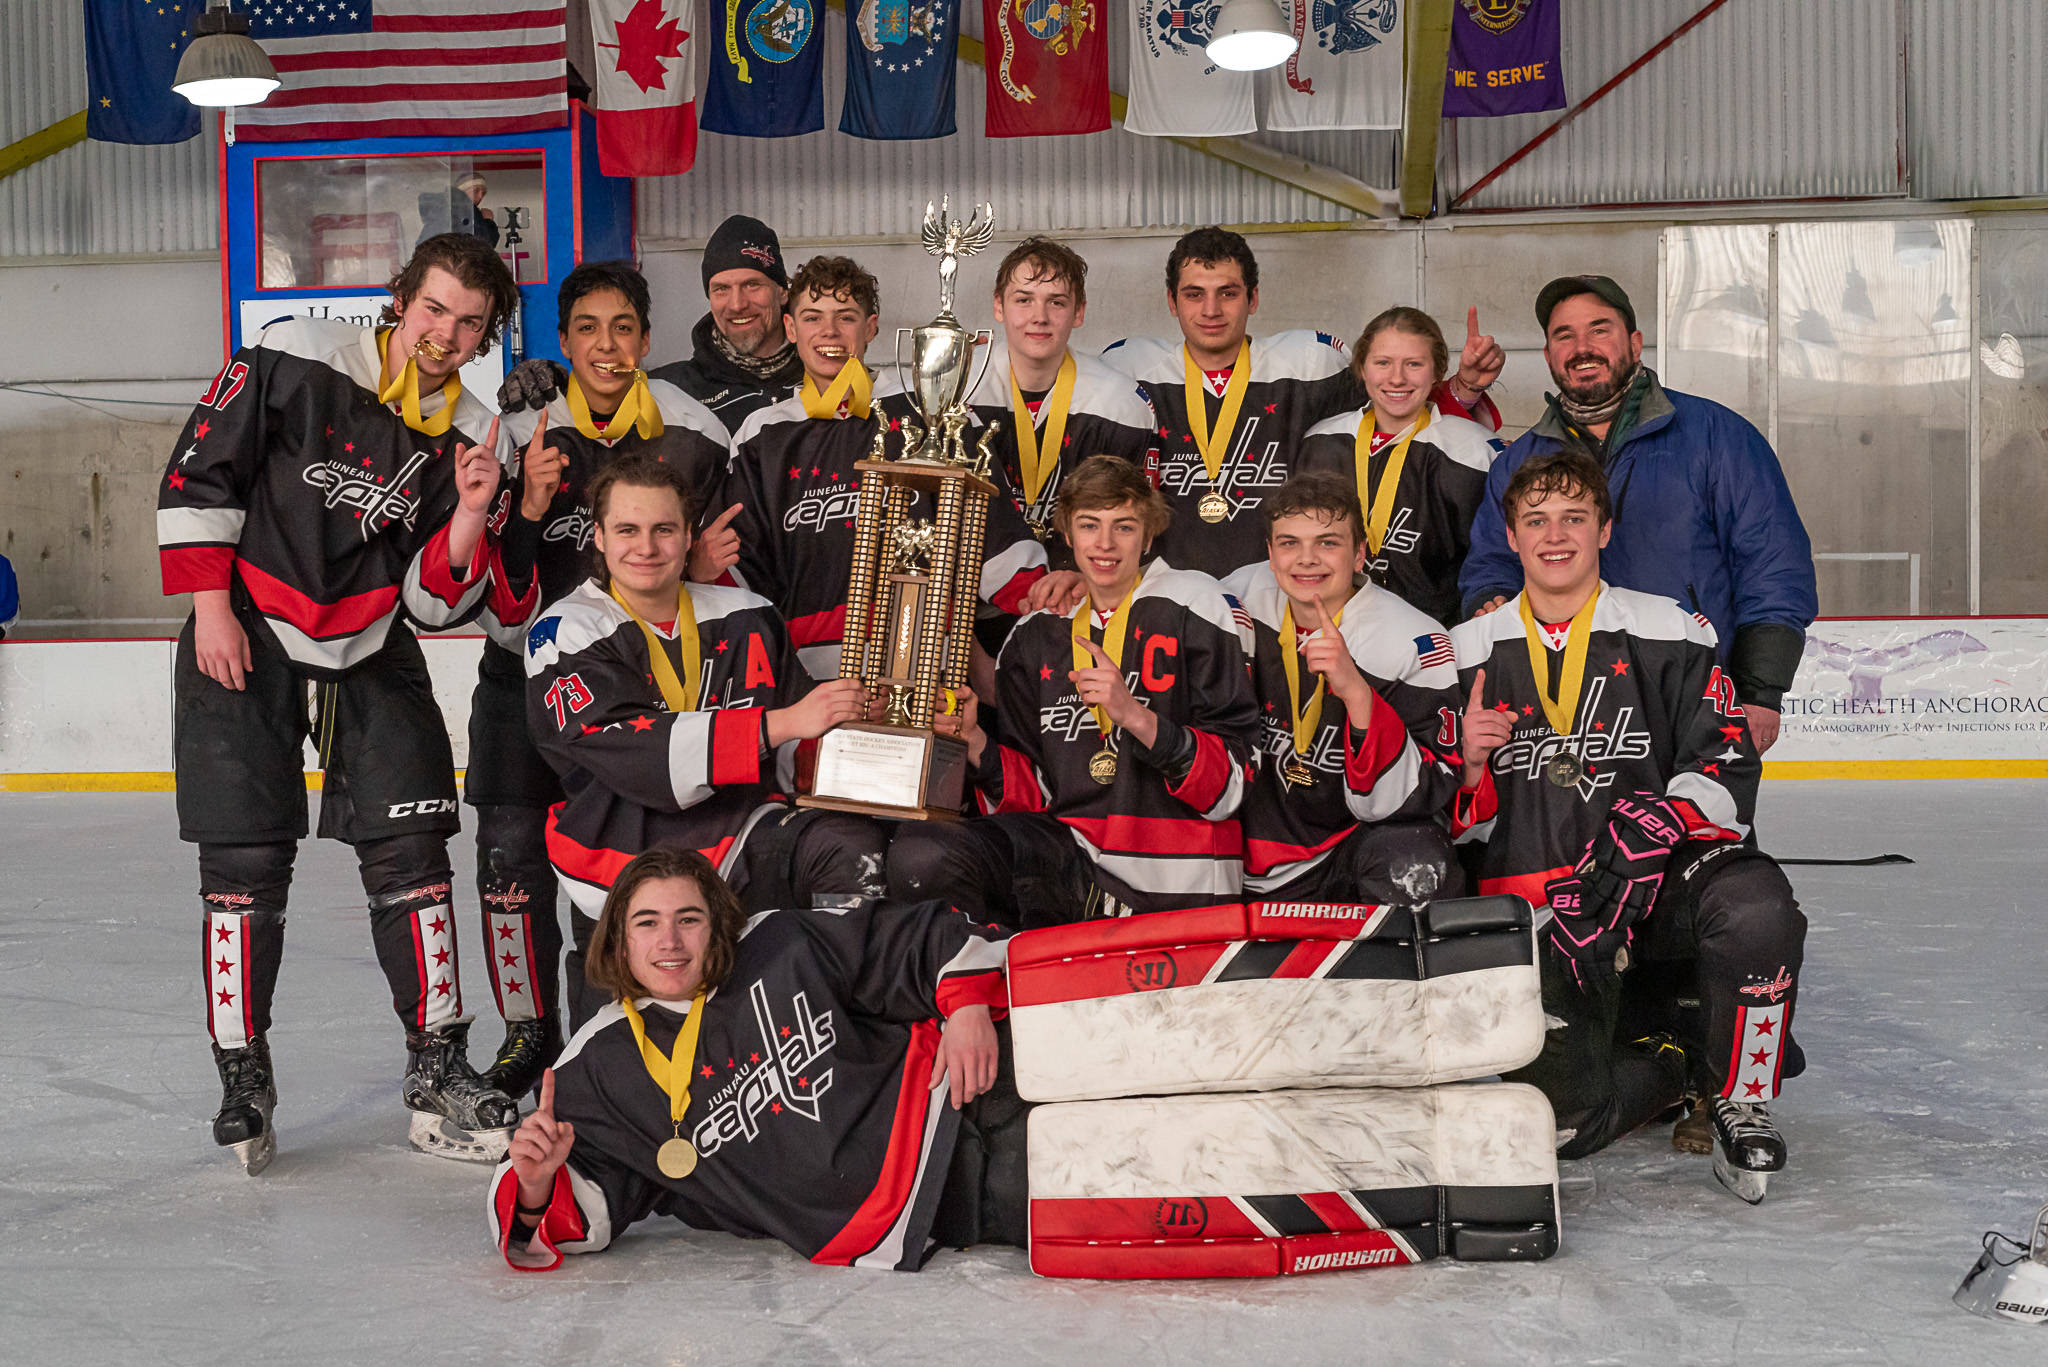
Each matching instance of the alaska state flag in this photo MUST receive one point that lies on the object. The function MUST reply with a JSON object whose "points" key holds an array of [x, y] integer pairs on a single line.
{"points": [[899, 68], [1047, 66], [767, 68], [131, 53]]}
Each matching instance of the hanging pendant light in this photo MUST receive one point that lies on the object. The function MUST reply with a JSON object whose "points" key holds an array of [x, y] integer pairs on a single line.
{"points": [[1250, 35], [224, 66]]}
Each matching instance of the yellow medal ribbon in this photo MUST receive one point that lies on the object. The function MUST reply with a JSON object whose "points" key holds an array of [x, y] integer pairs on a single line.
{"points": [[1307, 719], [637, 412], [1563, 711], [1030, 463], [853, 377], [405, 391], [1112, 642], [1381, 503], [679, 694], [1215, 446], [671, 1072]]}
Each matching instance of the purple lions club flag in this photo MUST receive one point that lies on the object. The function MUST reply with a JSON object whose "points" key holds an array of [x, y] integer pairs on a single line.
{"points": [[1347, 71], [899, 68], [1505, 59], [1176, 91]]}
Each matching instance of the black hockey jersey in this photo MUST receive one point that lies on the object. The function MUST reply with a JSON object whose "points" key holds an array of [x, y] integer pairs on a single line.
{"points": [[795, 475], [1161, 843], [1429, 528], [293, 481], [1298, 379], [1397, 770], [692, 441], [636, 774], [1108, 414], [732, 394], [1657, 715], [811, 1106]]}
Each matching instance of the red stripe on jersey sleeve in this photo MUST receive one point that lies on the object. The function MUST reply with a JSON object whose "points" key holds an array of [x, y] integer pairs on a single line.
{"points": [[563, 1223], [194, 569], [1010, 597], [736, 745], [818, 628], [435, 576], [1020, 783], [506, 606], [1697, 825], [878, 1214], [275, 598], [1208, 776], [1474, 806], [1368, 756], [987, 988]]}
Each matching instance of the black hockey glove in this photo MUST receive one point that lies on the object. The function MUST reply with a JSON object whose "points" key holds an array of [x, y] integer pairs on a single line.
{"points": [[1595, 907], [532, 384]]}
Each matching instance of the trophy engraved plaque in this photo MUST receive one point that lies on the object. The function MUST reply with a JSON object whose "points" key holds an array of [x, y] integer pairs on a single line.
{"points": [[916, 573]]}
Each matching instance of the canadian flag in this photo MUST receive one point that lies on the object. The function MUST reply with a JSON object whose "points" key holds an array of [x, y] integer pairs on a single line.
{"points": [[645, 94]]}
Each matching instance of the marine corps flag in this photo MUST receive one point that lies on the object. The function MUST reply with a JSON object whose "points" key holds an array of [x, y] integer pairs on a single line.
{"points": [[767, 68], [1176, 91], [1347, 71], [646, 87], [1047, 65], [1505, 58], [899, 68]]}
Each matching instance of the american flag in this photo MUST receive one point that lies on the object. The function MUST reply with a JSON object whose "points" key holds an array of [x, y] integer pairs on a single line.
{"points": [[396, 68], [1433, 649]]}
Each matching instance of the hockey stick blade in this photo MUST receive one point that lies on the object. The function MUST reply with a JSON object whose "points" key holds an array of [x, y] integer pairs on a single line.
{"points": [[1873, 859]]}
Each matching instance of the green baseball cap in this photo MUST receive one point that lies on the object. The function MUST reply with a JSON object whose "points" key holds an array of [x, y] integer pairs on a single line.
{"points": [[1566, 286]]}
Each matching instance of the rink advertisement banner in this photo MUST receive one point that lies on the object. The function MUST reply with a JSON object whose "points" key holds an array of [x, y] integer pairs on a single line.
{"points": [[1345, 74], [767, 68], [1505, 58], [645, 100], [1936, 697], [131, 52], [899, 68], [1047, 67], [1176, 91]]}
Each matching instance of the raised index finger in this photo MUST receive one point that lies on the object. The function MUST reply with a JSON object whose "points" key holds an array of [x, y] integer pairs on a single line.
{"points": [[1478, 692], [1472, 323], [547, 1094], [491, 437], [1101, 656], [728, 515], [540, 435]]}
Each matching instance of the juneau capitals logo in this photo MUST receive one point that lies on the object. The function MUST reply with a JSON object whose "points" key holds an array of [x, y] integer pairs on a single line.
{"points": [[917, 29], [1059, 24], [778, 29]]}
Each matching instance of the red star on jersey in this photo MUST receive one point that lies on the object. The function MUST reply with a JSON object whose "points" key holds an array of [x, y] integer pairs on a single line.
{"points": [[1269, 706], [643, 723], [721, 647], [437, 925], [1502, 706], [177, 480], [504, 932], [1164, 434], [785, 1032], [753, 1058], [776, 1107], [349, 447], [588, 729], [223, 934], [1766, 1027], [1731, 733], [1760, 1057], [1713, 769], [1621, 666], [330, 431], [441, 956], [227, 998], [199, 432], [509, 959], [794, 472], [512, 984], [1752, 1089], [1045, 671], [440, 989], [814, 472], [1273, 407], [728, 1063], [803, 1082], [705, 1071], [1527, 710], [1599, 726], [225, 965]]}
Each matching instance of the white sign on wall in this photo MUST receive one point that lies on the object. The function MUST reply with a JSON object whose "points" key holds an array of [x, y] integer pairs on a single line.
{"points": [[481, 377]]}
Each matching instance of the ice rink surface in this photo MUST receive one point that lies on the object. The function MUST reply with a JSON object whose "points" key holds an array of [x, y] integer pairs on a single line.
{"points": [[129, 1238]]}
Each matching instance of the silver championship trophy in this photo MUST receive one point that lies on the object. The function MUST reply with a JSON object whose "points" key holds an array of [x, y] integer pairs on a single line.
{"points": [[916, 573]]}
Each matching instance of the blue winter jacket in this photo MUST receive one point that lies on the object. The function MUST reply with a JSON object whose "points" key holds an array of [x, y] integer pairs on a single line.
{"points": [[1702, 514]]}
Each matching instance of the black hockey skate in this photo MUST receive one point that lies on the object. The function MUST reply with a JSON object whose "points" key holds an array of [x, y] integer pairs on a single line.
{"points": [[248, 1095], [455, 1113], [529, 1047], [1747, 1147]]}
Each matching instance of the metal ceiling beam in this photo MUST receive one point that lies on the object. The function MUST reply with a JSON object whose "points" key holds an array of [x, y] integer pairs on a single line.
{"points": [[42, 143], [1426, 66]]}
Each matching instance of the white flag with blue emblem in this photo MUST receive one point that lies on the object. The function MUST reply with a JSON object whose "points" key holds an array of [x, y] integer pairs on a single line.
{"points": [[1176, 91], [1345, 74]]}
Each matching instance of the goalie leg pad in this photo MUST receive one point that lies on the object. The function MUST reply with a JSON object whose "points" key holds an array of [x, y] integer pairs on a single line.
{"points": [[1282, 1183]]}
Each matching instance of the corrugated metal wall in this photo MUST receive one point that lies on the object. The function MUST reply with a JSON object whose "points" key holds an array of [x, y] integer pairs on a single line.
{"points": [[96, 198], [1978, 97], [1765, 99]]}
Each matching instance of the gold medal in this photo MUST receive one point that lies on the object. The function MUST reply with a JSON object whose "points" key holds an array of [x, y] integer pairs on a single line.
{"points": [[1565, 769], [1214, 444], [1214, 507], [677, 1158], [1102, 766], [1296, 773]]}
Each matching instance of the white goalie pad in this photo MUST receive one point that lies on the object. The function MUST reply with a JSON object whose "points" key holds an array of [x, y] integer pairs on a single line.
{"points": [[1272, 995], [1278, 1183]]}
